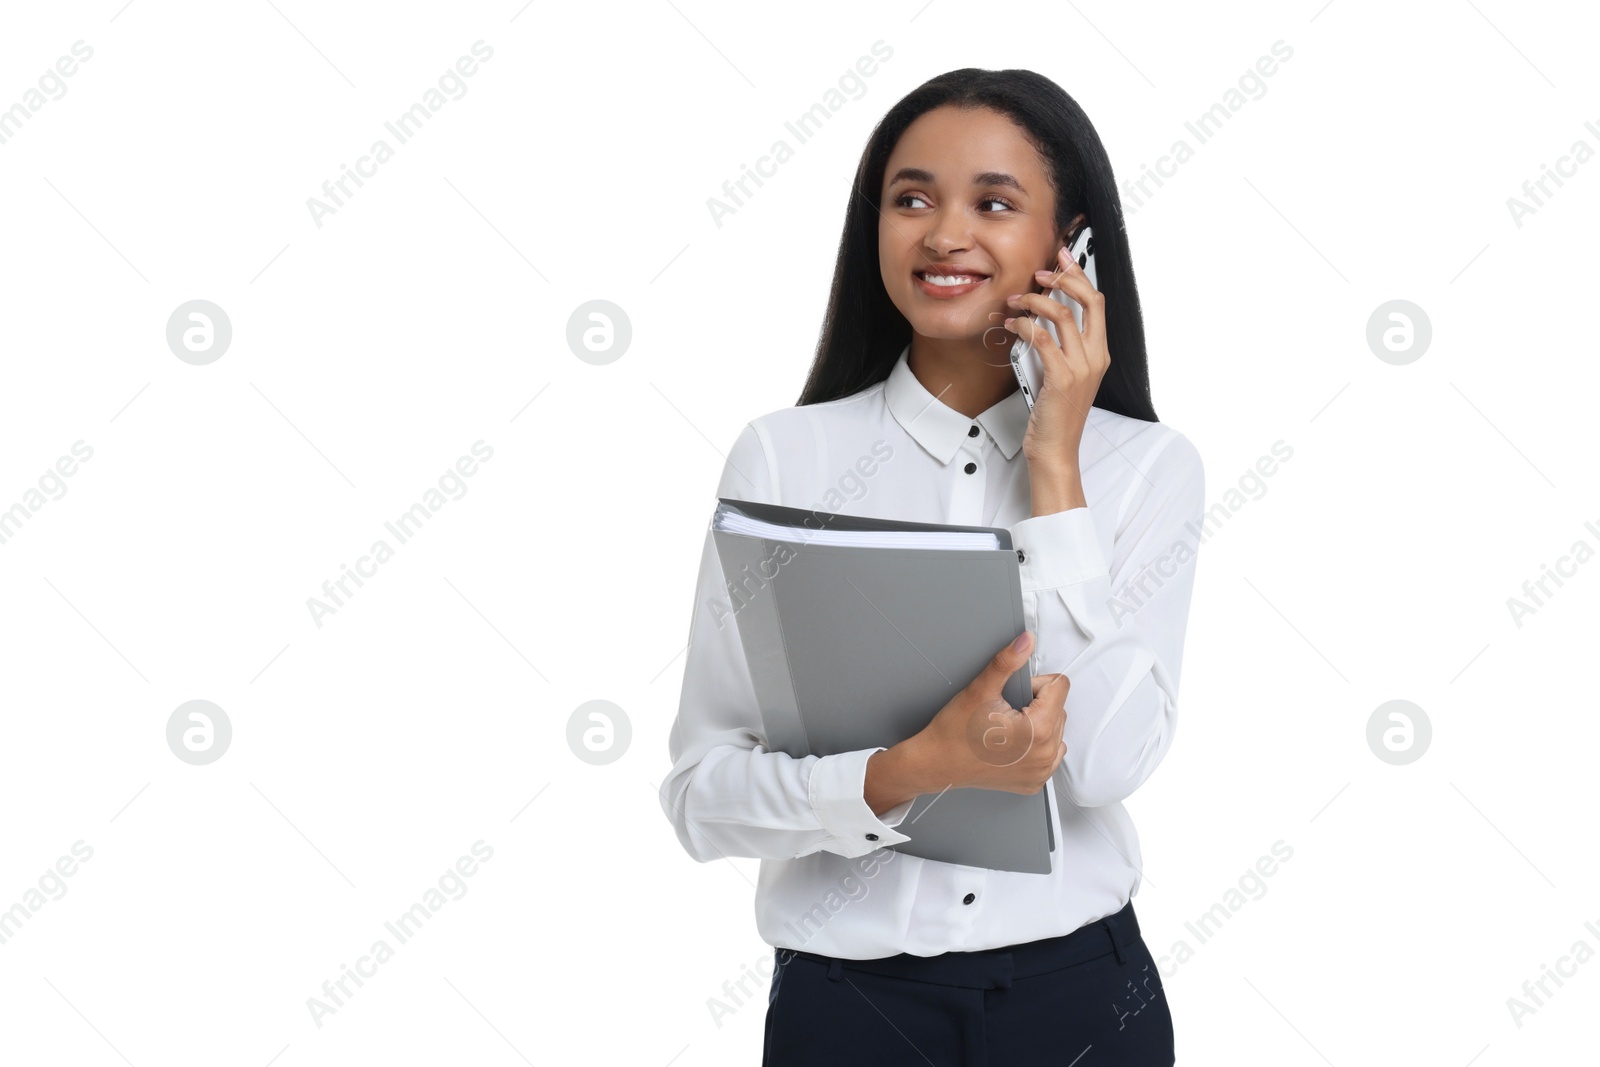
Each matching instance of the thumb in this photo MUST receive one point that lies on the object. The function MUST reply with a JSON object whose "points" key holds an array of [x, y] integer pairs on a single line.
{"points": [[1004, 664]]}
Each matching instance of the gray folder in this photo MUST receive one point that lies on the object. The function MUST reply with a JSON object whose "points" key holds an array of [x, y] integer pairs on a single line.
{"points": [[854, 647]]}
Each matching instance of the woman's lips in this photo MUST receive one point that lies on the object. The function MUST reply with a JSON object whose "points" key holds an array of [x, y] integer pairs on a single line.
{"points": [[947, 292]]}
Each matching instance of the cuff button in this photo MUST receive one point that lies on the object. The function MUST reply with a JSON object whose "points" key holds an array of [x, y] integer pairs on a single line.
{"points": [[1022, 557], [872, 837]]}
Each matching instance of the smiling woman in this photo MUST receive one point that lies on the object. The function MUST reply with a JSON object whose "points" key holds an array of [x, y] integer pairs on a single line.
{"points": [[965, 195]]}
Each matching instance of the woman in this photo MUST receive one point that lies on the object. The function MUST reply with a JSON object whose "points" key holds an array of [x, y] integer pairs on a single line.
{"points": [[968, 186]]}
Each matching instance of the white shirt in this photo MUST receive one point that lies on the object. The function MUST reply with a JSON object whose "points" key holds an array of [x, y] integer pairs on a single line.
{"points": [[1105, 592]]}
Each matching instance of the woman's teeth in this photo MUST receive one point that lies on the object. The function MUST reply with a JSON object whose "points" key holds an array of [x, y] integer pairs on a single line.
{"points": [[950, 279]]}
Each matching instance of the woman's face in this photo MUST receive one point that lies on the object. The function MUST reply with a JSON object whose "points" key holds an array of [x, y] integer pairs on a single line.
{"points": [[964, 191]]}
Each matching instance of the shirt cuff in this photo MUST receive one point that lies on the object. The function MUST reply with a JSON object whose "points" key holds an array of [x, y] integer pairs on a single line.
{"points": [[1060, 548], [837, 793]]}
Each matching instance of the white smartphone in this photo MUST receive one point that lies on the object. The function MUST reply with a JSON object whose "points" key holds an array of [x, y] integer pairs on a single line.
{"points": [[1024, 357]]}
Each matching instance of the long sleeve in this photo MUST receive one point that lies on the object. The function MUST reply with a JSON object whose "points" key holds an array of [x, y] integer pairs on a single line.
{"points": [[1115, 627], [726, 794]]}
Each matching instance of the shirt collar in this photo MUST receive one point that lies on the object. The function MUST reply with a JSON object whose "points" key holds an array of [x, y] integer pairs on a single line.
{"points": [[941, 429]]}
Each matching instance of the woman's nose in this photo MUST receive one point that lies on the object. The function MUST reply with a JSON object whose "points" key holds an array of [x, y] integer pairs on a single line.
{"points": [[947, 234]]}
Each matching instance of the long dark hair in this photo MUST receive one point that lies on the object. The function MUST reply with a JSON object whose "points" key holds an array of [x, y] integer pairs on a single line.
{"points": [[863, 332]]}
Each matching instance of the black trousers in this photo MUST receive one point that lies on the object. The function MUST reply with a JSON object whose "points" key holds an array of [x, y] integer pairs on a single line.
{"points": [[1087, 998]]}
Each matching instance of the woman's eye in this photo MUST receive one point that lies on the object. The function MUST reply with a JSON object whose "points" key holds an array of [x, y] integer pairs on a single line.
{"points": [[900, 201]]}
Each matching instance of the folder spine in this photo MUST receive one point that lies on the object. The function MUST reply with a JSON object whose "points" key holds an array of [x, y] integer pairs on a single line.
{"points": [[755, 613]]}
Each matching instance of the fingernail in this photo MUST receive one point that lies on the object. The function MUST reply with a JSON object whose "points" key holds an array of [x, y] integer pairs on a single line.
{"points": [[1021, 642], [1044, 274]]}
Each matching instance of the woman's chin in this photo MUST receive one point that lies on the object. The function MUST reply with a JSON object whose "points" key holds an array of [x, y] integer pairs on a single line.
{"points": [[980, 326], [952, 323]]}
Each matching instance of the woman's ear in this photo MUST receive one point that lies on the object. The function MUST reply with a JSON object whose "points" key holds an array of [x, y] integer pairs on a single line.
{"points": [[1073, 227]]}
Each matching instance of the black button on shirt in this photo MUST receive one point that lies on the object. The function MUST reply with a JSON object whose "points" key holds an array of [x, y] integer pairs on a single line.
{"points": [[872, 837], [970, 467], [972, 431], [968, 899]]}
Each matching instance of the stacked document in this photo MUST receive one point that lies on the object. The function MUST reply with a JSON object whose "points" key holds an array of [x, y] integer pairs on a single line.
{"points": [[858, 630]]}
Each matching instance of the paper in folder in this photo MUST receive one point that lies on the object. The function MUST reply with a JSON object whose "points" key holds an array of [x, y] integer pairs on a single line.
{"points": [[858, 630]]}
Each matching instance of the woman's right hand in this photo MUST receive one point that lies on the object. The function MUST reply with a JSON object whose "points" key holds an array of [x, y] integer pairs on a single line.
{"points": [[979, 740]]}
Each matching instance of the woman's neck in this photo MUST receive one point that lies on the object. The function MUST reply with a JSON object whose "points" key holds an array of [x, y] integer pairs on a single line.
{"points": [[961, 375]]}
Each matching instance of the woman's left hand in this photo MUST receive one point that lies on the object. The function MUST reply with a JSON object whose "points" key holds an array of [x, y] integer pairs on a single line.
{"points": [[1072, 369]]}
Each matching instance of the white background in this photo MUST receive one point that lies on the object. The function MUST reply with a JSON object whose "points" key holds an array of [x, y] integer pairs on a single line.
{"points": [[430, 312]]}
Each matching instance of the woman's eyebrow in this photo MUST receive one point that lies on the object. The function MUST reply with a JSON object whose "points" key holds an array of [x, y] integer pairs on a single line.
{"points": [[984, 177]]}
